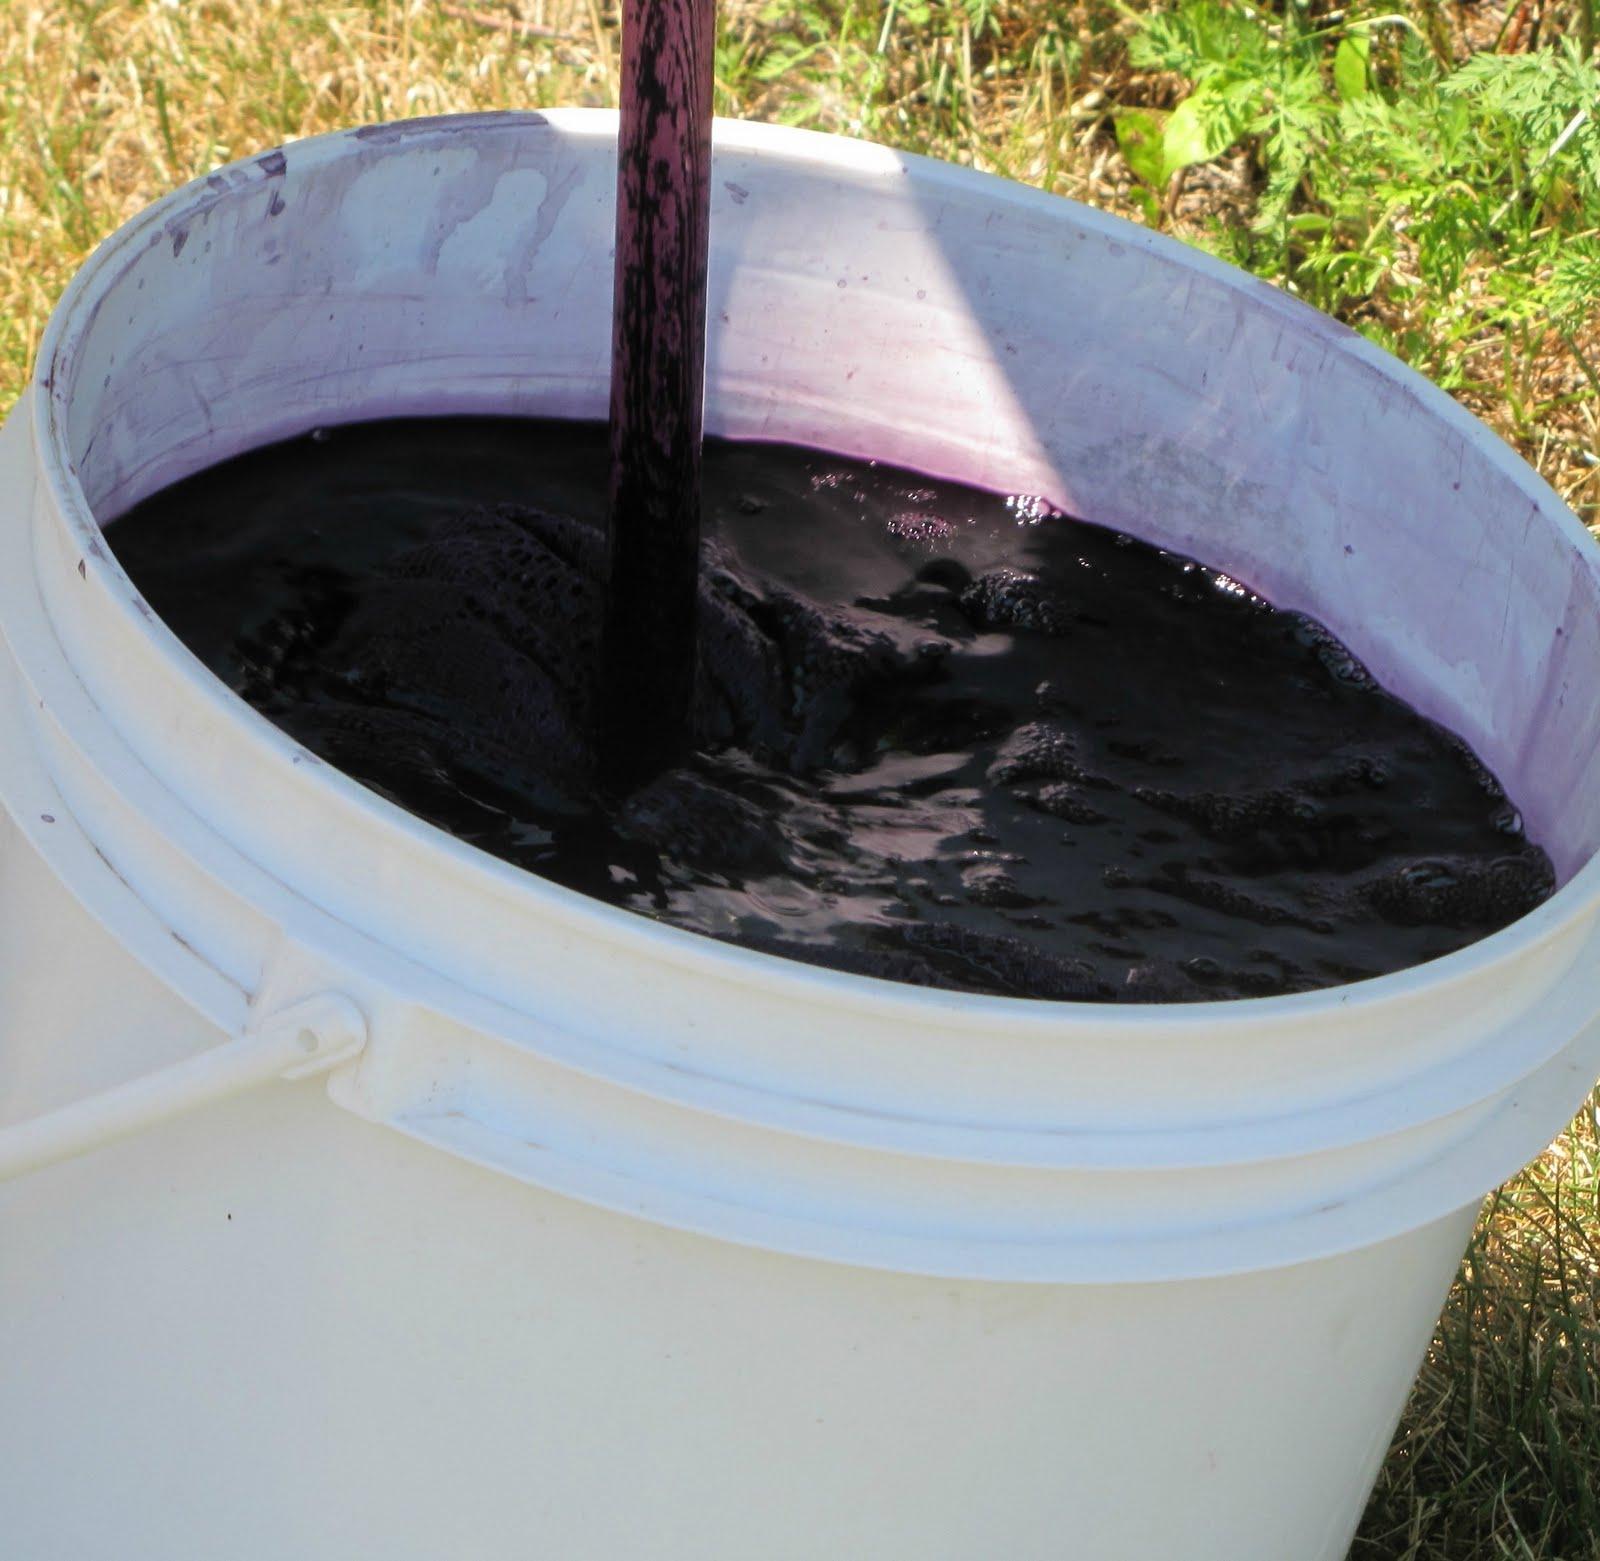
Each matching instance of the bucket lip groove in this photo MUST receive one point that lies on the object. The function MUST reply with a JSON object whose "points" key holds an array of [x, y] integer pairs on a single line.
{"points": [[48, 393], [1247, 1240]]}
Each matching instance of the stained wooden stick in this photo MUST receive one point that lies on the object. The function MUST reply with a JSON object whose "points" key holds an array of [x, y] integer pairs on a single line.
{"points": [[657, 385]]}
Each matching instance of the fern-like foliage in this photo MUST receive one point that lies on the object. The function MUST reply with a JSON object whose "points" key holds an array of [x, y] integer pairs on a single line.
{"points": [[1385, 180]]}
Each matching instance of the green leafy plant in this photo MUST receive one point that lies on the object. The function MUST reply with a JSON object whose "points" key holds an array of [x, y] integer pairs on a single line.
{"points": [[1387, 181]]}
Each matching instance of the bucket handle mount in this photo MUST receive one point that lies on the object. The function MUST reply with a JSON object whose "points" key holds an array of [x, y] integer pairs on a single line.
{"points": [[306, 1038]]}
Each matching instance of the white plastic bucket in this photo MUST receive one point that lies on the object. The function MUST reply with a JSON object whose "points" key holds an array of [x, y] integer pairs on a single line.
{"points": [[626, 1243]]}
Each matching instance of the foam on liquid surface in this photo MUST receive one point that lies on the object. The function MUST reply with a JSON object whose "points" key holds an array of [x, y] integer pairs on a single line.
{"points": [[943, 736]]}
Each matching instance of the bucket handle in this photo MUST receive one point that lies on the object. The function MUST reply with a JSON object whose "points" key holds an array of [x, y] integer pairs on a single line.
{"points": [[294, 1043]]}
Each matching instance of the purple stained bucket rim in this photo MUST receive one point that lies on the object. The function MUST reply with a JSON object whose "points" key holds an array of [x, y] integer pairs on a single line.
{"points": [[49, 395]]}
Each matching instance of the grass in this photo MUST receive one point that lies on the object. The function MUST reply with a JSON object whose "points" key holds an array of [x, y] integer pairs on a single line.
{"points": [[1499, 1451], [1429, 171]]}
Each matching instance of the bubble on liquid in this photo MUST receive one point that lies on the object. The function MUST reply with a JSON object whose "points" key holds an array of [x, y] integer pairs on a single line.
{"points": [[1009, 598], [1462, 891], [988, 883], [919, 527], [1038, 750], [1232, 815], [1331, 653], [1030, 508], [1064, 801]]}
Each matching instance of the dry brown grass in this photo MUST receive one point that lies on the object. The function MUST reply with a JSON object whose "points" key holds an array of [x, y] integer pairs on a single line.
{"points": [[103, 107], [1499, 1450]]}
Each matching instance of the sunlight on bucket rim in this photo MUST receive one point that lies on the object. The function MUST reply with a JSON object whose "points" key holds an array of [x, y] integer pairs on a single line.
{"points": [[1572, 901]]}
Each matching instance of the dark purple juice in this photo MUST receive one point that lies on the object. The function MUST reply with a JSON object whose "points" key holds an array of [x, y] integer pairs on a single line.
{"points": [[940, 735]]}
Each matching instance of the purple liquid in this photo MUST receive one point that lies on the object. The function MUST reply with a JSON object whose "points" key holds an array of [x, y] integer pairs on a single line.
{"points": [[939, 735]]}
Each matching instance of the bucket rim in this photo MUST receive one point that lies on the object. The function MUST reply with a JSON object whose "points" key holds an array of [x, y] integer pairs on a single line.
{"points": [[49, 392]]}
